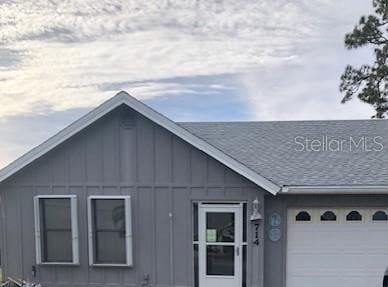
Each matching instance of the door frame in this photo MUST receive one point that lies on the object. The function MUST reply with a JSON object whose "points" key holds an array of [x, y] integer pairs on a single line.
{"points": [[237, 209]]}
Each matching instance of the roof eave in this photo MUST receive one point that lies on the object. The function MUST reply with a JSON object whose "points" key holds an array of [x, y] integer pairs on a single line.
{"points": [[335, 189]]}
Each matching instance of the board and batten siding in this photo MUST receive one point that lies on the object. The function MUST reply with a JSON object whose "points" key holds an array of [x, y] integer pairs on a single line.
{"points": [[124, 153]]}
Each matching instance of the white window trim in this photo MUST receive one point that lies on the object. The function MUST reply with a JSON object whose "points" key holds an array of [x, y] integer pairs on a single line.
{"points": [[74, 229], [128, 231]]}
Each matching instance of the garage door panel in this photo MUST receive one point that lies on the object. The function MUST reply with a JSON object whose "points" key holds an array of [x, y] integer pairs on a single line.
{"points": [[306, 239], [313, 272], [332, 278], [350, 239], [373, 282], [300, 261], [376, 264], [375, 241], [350, 281], [324, 281], [338, 253], [352, 262]]}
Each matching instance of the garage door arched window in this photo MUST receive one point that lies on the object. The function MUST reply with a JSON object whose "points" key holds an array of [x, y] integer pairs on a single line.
{"points": [[328, 216], [354, 216], [303, 216], [380, 216]]}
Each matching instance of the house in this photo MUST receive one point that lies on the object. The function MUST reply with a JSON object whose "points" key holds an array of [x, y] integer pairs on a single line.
{"points": [[126, 197]]}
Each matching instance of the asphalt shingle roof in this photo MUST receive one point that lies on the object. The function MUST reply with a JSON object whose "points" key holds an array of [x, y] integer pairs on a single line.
{"points": [[274, 149]]}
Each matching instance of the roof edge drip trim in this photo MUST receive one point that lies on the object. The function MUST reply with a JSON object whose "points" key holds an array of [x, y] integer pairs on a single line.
{"points": [[335, 189]]}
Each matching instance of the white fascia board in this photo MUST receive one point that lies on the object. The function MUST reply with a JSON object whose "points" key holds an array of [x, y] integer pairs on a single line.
{"points": [[125, 98], [335, 189]]}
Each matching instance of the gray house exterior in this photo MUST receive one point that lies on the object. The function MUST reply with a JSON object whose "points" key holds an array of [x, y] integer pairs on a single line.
{"points": [[206, 204]]}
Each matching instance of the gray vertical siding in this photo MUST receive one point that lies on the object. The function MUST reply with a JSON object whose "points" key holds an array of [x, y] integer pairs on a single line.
{"points": [[163, 175]]}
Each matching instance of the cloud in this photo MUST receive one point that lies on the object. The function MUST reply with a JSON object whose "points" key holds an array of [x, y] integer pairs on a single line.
{"points": [[86, 20], [266, 60], [307, 88], [21, 133], [67, 49]]}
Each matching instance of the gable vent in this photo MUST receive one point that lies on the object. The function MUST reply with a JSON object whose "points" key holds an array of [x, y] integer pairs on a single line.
{"points": [[128, 120]]}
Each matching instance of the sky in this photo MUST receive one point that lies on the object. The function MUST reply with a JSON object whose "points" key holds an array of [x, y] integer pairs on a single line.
{"points": [[192, 60]]}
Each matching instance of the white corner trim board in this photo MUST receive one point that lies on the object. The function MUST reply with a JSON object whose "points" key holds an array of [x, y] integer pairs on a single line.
{"points": [[124, 98]]}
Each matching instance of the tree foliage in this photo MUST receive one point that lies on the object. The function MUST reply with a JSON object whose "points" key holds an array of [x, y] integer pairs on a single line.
{"points": [[369, 82]]}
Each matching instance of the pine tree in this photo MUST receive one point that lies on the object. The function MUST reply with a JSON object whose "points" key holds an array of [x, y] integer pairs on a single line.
{"points": [[369, 82]]}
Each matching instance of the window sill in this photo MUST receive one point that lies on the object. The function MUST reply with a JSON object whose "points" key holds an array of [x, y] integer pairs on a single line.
{"points": [[110, 265], [58, 264]]}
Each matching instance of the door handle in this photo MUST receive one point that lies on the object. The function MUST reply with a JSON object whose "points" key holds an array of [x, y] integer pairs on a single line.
{"points": [[237, 251]]}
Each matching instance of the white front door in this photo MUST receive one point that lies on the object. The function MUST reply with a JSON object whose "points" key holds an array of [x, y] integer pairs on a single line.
{"points": [[220, 245]]}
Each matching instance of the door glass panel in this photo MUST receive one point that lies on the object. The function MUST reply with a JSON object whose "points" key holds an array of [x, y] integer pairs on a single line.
{"points": [[220, 260], [220, 227]]}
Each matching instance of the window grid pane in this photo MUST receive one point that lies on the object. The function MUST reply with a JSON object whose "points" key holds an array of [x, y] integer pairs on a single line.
{"points": [[221, 224], [303, 216], [354, 216], [328, 216], [108, 217], [55, 221], [51, 250], [380, 216], [220, 260]]}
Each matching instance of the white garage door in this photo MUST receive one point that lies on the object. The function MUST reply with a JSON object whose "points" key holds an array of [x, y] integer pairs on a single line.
{"points": [[329, 247]]}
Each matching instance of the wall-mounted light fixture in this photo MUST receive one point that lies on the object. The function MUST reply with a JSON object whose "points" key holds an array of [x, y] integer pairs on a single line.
{"points": [[255, 219], [256, 216]]}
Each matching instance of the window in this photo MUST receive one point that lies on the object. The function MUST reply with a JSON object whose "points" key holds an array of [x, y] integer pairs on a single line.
{"points": [[328, 216], [110, 230], [354, 216], [303, 216], [56, 225], [380, 216]]}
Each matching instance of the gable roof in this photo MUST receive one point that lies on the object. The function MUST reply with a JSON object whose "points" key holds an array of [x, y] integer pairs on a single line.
{"points": [[269, 148], [125, 98]]}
